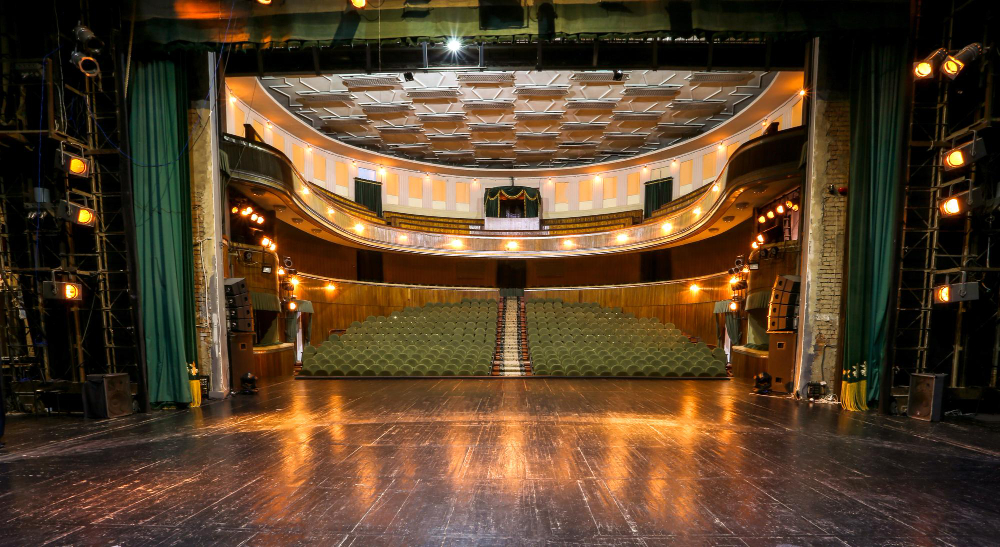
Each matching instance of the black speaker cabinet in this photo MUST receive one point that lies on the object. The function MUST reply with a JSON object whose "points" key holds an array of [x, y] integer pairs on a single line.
{"points": [[235, 286], [237, 300], [239, 312], [240, 325], [925, 396], [240, 355], [107, 396]]}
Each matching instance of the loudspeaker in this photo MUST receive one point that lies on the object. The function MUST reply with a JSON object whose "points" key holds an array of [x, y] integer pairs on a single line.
{"points": [[237, 300], [240, 325], [240, 355], [782, 323], [787, 283], [784, 298], [781, 361], [783, 310], [235, 286], [925, 396], [107, 395], [239, 312]]}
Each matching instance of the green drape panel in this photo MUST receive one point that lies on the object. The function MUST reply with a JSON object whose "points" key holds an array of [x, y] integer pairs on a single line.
{"points": [[877, 135], [162, 199], [733, 328], [657, 194], [369, 194], [531, 196], [291, 325]]}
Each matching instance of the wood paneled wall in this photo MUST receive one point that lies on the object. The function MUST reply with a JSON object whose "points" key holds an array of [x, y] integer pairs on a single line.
{"points": [[336, 309], [670, 302]]}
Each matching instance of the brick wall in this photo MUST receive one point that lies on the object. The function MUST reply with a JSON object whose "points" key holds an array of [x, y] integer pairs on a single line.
{"points": [[202, 227]]}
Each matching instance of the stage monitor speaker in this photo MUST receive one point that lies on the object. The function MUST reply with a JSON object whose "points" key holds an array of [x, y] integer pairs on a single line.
{"points": [[925, 396], [107, 395], [235, 286], [237, 300], [240, 325]]}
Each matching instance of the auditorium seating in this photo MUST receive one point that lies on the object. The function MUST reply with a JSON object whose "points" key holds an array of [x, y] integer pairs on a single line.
{"points": [[591, 223], [439, 339], [584, 339], [350, 207], [442, 225]]}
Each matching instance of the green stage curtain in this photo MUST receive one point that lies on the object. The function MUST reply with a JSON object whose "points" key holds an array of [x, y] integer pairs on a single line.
{"points": [[658, 193], [162, 200], [369, 194], [877, 134], [531, 196]]}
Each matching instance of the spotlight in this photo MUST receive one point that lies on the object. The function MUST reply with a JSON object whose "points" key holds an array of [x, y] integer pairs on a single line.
{"points": [[265, 242], [87, 39], [715, 187], [76, 213], [294, 281], [746, 269], [264, 2], [73, 164], [760, 238], [802, 93], [780, 209], [795, 207], [734, 280], [755, 245], [330, 287], [281, 271], [359, 4], [961, 202], [454, 45], [85, 63], [694, 288], [962, 155], [954, 64], [734, 306], [770, 214], [788, 204], [273, 247], [956, 292], [260, 220], [762, 219], [925, 68], [62, 290], [288, 262], [246, 211], [253, 217], [292, 305], [234, 210]]}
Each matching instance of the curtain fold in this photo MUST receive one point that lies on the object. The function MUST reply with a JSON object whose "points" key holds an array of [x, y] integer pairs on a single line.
{"points": [[369, 194], [162, 200], [877, 134], [531, 196], [657, 194]]}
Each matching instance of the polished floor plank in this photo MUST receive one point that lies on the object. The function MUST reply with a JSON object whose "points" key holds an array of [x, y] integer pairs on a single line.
{"points": [[604, 462]]}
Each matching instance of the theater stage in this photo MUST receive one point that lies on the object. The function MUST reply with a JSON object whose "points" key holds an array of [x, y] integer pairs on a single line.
{"points": [[463, 461]]}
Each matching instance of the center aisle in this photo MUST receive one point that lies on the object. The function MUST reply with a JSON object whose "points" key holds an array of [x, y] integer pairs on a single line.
{"points": [[511, 352]]}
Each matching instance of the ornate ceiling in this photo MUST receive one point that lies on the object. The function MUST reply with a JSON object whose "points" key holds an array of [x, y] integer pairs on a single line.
{"points": [[517, 119]]}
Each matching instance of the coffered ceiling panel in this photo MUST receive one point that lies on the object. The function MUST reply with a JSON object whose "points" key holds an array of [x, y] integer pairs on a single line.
{"points": [[517, 119]]}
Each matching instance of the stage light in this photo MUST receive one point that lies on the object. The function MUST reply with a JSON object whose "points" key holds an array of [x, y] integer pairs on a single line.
{"points": [[62, 290], [454, 45], [358, 227], [746, 269], [264, 2], [733, 306], [330, 287], [722, 147], [925, 68], [281, 271], [76, 213], [305, 191], [964, 154], [232, 99], [755, 245], [715, 187], [253, 217], [697, 211], [265, 242], [667, 227], [73, 164], [234, 210], [260, 220], [760, 238], [961, 202], [770, 214], [795, 207], [762, 219], [511, 245], [788, 204], [734, 280], [802, 93], [85, 64], [780, 209], [273, 247], [953, 64], [956, 292], [456, 243], [568, 243], [694, 288], [622, 238], [292, 306], [294, 281], [381, 171], [359, 4], [246, 211]]}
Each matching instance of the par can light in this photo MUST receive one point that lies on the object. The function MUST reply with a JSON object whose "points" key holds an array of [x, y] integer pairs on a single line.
{"points": [[964, 154], [62, 290], [956, 292]]}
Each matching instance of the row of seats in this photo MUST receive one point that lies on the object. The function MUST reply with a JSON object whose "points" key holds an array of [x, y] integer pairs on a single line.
{"points": [[584, 339], [425, 223], [441, 339]]}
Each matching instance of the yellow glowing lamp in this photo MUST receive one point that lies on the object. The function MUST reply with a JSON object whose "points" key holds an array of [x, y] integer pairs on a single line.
{"points": [[294, 281], [694, 288], [734, 280], [456, 243], [622, 238], [715, 187], [944, 294], [952, 66], [77, 166], [697, 211], [955, 158], [923, 69], [71, 291], [511, 245], [746, 269], [85, 216], [667, 227], [260, 220], [273, 247], [795, 207], [762, 219], [788, 204], [760, 238], [568, 243], [770, 214], [246, 211], [331, 287], [755, 245], [359, 227], [281, 271], [733, 306], [780, 209], [951, 206], [253, 217], [403, 238], [265, 242], [292, 306], [61, 290], [234, 210]]}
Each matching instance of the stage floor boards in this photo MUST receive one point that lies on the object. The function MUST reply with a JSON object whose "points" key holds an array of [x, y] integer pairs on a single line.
{"points": [[499, 462]]}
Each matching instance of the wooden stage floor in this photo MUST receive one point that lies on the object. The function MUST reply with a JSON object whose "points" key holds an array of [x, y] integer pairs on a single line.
{"points": [[488, 462]]}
